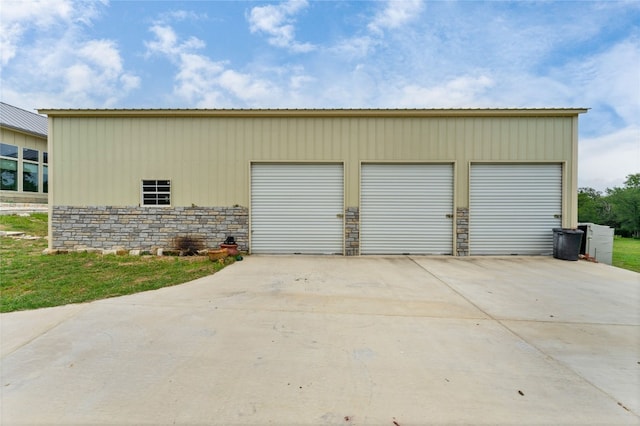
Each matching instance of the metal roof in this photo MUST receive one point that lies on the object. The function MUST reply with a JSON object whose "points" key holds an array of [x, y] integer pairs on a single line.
{"points": [[22, 120], [322, 112]]}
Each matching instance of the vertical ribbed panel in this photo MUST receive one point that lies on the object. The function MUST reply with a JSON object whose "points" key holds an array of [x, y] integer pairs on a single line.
{"points": [[514, 207], [297, 208], [406, 208]]}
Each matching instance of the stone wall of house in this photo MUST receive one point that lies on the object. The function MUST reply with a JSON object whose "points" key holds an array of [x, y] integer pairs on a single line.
{"points": [[462, 231], [145, 228], [352, 231]]}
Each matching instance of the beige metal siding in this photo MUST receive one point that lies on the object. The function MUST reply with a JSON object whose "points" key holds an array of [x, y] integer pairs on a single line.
{"points": [[207, 158]]}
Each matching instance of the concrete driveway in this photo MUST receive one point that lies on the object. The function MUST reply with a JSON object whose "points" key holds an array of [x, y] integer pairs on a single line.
{"points": [[343, 341]]}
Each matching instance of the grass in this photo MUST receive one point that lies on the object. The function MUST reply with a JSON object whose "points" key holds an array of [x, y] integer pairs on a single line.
{"points": [[626, 253], [35, 224], [30, 280]]}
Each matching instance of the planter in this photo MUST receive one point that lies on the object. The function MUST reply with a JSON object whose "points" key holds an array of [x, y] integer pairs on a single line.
{"points": [[217, 254], [232, 249]]}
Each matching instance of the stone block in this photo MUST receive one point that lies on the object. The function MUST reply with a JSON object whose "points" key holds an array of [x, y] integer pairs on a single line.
{"points": [[120, 250]]}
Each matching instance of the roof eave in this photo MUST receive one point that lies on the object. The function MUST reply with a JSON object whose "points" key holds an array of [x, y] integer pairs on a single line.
{"points": [[498, 112], [24, 131]]}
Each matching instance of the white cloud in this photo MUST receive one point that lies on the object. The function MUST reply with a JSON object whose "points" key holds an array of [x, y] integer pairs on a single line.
{"points": [[129, 81], [244, 86], [396, 14], [197, 75], [180, 15], [608, 82], [201, 81], [166, 42], [277, 22], [9, 34], [460, 92], [46, 56], [98, 71], [606, 160], [297, 82], [612, 78], [18, 17], [103, 54], [355, 47]]}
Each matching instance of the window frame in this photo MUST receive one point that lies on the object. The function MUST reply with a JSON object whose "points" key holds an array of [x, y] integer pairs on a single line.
{"points": [[29, 163], [45, 179], [9, 157], [26, 150], [24, 175], [16, 173], [157, 187]]}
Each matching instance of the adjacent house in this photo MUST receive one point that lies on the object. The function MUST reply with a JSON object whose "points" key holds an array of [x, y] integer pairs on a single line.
{"points": [[24, 159], [352, 182]]}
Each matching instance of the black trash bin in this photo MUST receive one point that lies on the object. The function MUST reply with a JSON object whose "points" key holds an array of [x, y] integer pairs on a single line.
{"points": [[566, 243]]}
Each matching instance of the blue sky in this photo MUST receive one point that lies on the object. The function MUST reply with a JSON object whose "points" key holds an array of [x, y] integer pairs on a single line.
{"points": [[337, 54]]}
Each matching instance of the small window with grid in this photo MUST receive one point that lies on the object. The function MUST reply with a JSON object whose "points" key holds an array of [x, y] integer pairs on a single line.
{"points": [[156, 192]]}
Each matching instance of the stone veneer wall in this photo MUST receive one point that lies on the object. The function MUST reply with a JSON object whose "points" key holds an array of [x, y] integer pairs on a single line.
{"points": [[462, 231], [352, 231], [146, 228]]}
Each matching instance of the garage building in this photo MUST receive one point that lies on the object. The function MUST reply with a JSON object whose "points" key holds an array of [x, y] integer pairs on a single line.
{"points": [[353, 182]]}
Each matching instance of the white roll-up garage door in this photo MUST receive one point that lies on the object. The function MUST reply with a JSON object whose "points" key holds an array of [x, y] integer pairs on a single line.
{"points": [[513, 208], [406, 208], [297, 208]]}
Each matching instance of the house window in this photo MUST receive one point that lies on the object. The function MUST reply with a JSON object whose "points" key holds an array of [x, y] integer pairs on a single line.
{"points": [[30, 170], [29, 177], [45, 179], [7, 150], [156, 192], [9, 174], [45, 157], [30, 154], [9, 167]]}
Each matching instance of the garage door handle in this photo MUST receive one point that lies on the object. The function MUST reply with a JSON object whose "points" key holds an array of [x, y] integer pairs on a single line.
{"points": [[339, 215], [557, 216], [449, 216]]}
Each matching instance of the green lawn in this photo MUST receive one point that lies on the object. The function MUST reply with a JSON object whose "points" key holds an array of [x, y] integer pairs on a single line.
{"points": [[29, 279], [626, 253], [35, 224]]}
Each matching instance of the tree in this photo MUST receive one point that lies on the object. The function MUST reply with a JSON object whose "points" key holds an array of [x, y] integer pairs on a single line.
{"points": [[633, 181], [593, 207], [626, 205]]}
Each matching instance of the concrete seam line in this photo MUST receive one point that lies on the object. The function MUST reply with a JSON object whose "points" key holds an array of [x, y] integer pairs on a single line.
{"points": [[558, 362], [454, 290], [45, 331]]}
